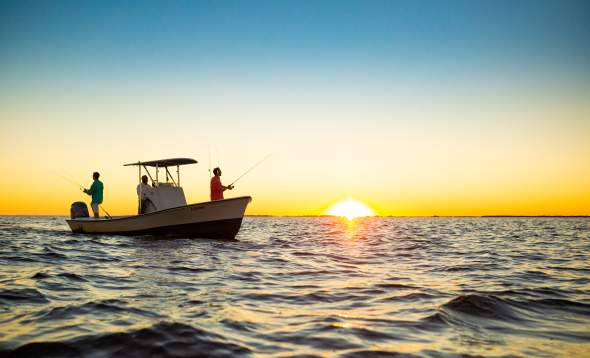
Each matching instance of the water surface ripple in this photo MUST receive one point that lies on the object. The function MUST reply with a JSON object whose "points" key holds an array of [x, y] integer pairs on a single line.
{"points": [[426, 287]]}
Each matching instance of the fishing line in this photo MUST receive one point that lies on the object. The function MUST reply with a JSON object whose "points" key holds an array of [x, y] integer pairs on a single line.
{"points": [[251, 168], [73, 182]]}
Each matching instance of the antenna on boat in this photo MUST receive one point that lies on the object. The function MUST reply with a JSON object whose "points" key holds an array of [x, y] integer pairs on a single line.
{"points": [[217, 155], [209, 149], [251, 168]]}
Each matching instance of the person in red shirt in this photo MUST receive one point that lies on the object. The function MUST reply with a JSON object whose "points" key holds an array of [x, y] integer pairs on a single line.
{"points": [[216, 188]]}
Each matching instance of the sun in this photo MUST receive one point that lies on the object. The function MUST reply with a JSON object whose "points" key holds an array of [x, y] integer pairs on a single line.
{"points": [[350, 209]]}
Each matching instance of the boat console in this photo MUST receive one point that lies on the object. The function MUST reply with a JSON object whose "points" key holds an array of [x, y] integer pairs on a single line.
{"points": [[163, 195]]}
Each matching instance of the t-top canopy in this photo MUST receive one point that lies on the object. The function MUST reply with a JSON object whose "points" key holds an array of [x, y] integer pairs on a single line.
{"points": [[162, 163]]}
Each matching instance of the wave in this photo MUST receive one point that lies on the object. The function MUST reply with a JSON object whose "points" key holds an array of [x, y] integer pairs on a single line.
{"points": [[41, 275], [52, 254], [379, 354], [22, 295], [189, 269], [482, 310], [107, 307], [397, 286], [72, 277], [492, 307], [164, 339]]}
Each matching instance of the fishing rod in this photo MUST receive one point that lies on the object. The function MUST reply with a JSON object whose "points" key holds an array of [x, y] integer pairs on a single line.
{"points": [[209, 147], [106, 212], [251, 168], [218, 156]]}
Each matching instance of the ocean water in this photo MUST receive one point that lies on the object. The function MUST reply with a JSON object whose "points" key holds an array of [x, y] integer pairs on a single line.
{"points": [[427, 287]]}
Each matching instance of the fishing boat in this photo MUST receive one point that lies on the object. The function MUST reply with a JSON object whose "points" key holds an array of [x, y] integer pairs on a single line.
{"points": [[167, 212]]}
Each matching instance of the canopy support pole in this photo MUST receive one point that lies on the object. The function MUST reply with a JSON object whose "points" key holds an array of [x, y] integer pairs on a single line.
{"points": [[140, 187], [148, 173], [168, 175]]}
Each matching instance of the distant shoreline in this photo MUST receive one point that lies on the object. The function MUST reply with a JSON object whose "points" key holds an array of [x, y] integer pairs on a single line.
{"points": [[431, 216], [376, 216]]}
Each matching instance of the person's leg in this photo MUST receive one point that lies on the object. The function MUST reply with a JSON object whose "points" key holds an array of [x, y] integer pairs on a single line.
{"points": [[145, 206], [94, 209]]}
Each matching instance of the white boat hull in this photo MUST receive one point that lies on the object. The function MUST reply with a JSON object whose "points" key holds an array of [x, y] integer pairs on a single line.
{"points": [[219, 219]]}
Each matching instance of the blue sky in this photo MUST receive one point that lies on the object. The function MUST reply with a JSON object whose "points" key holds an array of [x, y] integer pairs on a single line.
{"points": [[107, 36]]}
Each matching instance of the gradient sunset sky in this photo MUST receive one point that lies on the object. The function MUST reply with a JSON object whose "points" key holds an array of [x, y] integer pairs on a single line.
{"points": [[412, 107]]}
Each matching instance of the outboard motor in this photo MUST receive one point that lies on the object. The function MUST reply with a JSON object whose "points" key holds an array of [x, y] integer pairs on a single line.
{"points": [[79, 210]]}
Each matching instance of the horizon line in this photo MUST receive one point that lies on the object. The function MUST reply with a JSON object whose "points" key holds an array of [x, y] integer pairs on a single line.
{"points": [[373, 216]]}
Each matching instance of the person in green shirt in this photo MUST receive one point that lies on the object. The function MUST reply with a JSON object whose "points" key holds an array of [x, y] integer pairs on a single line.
{"points": [[96, 192]]}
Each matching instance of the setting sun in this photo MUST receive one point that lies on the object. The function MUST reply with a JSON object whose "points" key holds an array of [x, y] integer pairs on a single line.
{"points": [[350, 209]]}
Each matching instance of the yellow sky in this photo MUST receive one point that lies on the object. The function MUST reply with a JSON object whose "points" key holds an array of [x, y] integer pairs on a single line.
{"points": [[454, 154]]}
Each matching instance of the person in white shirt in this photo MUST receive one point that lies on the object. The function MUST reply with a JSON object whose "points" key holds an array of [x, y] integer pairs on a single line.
{"points": [[143, 193]]}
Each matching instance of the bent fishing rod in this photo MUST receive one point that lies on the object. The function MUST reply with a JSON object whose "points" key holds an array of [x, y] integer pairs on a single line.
{"points": [[251, 168]]}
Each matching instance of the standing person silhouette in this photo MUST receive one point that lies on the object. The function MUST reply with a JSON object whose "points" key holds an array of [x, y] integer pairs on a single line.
{"points": [[95, 191], [144, 191], [217, 188]]}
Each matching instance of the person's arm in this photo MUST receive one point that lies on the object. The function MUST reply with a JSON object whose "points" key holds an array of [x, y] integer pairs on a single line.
{"points": [[229, 187], [91, 190], [147, 191]]}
